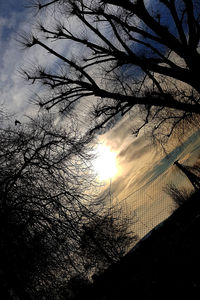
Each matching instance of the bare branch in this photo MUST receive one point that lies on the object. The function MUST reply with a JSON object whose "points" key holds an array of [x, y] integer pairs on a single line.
{"points": [[131, 56]]}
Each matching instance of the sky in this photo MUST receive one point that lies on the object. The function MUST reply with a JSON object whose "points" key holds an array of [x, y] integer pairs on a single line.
{"points": [[16, 18], [143, 171], [12, 20]]}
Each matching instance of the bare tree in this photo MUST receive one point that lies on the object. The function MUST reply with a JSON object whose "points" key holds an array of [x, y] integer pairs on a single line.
{"points": [[45, 193], [179, 195], [125, 55], [47, 207], [105, 239]]}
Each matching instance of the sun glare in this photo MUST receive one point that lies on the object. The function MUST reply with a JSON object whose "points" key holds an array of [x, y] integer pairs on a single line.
{"points": [[105, 163]]}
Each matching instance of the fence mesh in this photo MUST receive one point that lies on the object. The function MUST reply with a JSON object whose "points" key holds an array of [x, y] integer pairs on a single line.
{"points": [[150, 205]]}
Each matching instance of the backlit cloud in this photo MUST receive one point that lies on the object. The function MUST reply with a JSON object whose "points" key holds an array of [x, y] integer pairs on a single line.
{"points": [[144, 172]]}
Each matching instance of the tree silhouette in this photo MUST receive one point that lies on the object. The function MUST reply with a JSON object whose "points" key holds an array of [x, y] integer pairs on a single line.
{"points": [[43, 181], [106, 239], [47, 208], [126, 55], [179, 195], [192, 177]]}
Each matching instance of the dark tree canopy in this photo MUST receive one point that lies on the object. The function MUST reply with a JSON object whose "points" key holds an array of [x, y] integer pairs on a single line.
{"points": [[121, 56], [47, 198], [44, 177], [43, 183], [106, 239]]}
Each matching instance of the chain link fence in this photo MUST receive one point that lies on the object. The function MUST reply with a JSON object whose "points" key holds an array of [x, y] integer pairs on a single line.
{"points": [[150, 205]]}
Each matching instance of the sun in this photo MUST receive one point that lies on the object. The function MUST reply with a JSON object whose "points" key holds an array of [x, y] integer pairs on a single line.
{"points": [[105, 163]]}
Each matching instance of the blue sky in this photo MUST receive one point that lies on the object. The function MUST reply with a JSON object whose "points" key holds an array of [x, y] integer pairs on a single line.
{"points": [[13, 18], [12, 15]]}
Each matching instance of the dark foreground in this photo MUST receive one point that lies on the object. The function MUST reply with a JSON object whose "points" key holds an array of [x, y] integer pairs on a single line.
{"points": [[165, 265]]}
